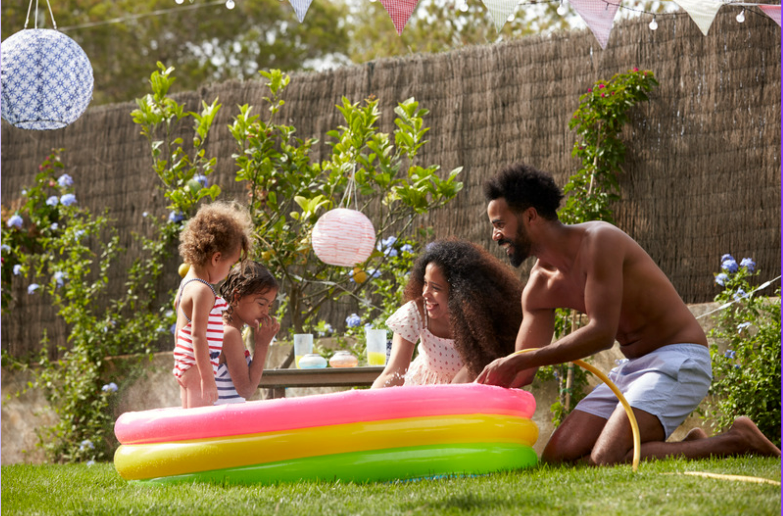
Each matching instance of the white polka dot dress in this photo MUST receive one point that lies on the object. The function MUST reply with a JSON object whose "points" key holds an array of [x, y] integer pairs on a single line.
{"points": [[437, 361]]}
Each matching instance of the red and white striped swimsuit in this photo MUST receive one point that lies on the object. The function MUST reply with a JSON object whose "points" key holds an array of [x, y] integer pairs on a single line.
{"points": [[184, 358]]}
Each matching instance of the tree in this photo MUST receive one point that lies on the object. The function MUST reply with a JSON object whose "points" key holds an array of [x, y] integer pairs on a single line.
{"points": [[206, 41]]}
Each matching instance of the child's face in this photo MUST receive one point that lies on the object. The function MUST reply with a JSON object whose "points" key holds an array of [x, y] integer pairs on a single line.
{"points": [[435, 293], [221, 264], [254, 306]]}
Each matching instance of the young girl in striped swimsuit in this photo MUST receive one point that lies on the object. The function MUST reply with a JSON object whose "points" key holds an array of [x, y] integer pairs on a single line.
{"points": [[211, 242], [250, 292]]}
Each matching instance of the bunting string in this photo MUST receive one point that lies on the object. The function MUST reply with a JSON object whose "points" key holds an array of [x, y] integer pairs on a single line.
{"points": [[598, 15]]}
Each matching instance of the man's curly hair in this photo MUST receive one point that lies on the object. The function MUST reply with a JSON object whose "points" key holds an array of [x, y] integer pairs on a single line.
{"points": [[247, 279], [219, 227], [485, 299], [523, 186]]}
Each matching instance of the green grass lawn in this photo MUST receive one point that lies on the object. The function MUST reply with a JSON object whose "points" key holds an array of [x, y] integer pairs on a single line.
{"points": [[656, 489]]}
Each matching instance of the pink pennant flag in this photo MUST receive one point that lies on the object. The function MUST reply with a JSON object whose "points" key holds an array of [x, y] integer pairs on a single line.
{"points": [[773, 11], [400, 11], [500, 11], [598, 15], [702, 12], [300, 8]]}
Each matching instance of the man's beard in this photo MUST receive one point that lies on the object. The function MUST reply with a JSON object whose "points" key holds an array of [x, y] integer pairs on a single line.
{"points": [[520, 248]]}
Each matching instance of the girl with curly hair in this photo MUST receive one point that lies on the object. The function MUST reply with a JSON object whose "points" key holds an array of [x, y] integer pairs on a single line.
{"points": [[462, 306], [212, 241]]}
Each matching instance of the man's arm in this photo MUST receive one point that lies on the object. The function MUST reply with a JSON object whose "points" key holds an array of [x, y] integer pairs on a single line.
{"points": [[536, 330], [602, 263]]}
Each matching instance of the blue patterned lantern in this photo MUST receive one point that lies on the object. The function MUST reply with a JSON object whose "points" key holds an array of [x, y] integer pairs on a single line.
{"points": [[46, 78]]}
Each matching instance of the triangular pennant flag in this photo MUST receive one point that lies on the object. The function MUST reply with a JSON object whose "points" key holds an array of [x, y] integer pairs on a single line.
{"points": [[500, 10], [773, 11], [598, 15], [702, 12], [400, 11], [300, 8]]}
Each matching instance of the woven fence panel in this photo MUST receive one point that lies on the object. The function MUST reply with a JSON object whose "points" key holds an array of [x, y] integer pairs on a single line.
{"points": [[701, 178]]}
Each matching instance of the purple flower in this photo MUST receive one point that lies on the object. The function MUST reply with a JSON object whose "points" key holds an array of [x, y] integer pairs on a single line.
{"points": [[52, 201], [386, 245], [109, 387], [726, 257], [58, 278], [352, 321], [65, 180], [17, 269], [201, 178], [176, 216], [68, 199], [407, 248], [742, 326], [5, 247], [749, 264], [173, 328], [54, 226], [721, 279], [15, 221], [730, 354], [86, 444], [740, 294], [91, 463], [32, 288], [730, 265], [145, 214]]}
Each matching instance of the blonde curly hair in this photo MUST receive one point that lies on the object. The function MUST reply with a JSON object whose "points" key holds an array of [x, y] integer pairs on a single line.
{"points": [[219, 227]]}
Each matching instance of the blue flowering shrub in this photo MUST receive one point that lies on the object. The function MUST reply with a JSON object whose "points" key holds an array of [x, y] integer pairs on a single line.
{"points": [[63, 252], [745, 351]]}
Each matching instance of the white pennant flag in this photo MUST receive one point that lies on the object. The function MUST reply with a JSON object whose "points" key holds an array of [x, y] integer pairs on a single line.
{"points": [[300, 8], [598, 15], [773, 11], [702, 12], [500, 11]]}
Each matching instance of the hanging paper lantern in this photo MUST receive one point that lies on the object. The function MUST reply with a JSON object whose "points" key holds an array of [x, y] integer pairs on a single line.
{"points": [[46, 78], [343, 237]]}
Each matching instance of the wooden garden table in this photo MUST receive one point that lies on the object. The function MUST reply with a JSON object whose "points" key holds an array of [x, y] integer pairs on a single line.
{"points": [[276, 380]]}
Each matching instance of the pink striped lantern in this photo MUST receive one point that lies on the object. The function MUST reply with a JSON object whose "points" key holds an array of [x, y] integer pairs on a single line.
{"points": [[343, 237]]}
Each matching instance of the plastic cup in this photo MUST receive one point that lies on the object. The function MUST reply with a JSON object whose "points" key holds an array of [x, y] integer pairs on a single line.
{"points": [[376, 347], [303, 345]]}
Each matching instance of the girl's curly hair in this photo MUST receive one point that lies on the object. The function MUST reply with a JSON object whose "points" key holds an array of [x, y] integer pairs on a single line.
{"points": [[219, 227], [485, 308], [246, 280]]}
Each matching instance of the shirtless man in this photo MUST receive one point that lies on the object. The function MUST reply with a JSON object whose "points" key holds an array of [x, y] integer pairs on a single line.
{"points": [[597, 269]]}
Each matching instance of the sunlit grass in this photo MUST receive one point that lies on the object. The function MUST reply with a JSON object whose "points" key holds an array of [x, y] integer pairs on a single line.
{"points": [[656, 489]]}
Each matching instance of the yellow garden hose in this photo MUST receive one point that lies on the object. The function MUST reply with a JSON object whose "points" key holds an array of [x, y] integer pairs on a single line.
{"points": [[637, 442]]}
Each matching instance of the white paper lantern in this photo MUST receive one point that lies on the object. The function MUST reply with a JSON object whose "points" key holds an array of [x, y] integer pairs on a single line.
{"points": [[343, 237], [46, 78]]}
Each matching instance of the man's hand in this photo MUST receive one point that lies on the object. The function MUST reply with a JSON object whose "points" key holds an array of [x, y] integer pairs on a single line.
{"points": [[510, 371]]}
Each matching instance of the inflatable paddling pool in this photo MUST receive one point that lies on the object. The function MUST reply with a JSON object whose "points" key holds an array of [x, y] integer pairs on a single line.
{"points": [[359, 436]]}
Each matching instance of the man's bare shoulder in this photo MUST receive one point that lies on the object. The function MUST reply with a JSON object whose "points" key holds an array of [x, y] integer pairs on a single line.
{"points": [[541, 282]]}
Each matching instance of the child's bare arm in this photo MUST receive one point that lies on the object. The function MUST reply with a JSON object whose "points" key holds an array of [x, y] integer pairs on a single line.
{"points": [[263, 334], [244, 378], [399, 362], [202, 302]]}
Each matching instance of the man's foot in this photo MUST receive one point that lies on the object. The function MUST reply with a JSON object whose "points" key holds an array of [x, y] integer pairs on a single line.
{"points": [[694, 435], [754, 441]]}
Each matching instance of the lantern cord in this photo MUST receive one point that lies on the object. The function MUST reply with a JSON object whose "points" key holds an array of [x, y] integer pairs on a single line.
{"points": [[30, 6], [350, 191]]}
